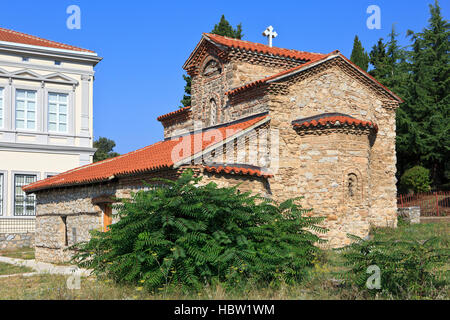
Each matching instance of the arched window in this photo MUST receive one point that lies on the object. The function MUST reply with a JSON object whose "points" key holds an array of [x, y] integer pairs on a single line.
{"points": [[213, 112]]}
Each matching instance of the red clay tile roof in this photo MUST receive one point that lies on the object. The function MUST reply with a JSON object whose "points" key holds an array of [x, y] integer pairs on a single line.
{"points": [[236, 169], [261, 48], [173, 113], [325, 120], [154, 157], [19, 37]]}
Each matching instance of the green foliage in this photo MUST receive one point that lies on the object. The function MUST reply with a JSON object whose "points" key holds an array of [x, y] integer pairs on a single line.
{"points": [[417, 179], [104, 149], [408, 269], [420, 76], [224, 28], [186, 101], [428, 105], [359, 55], [186, 234]]}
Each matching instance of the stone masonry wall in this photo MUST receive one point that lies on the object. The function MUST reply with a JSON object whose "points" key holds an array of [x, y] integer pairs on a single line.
{"points": [[255, 185], [65, 216], [316, 166], [179, 123], [16, 240], [233, 73], [334, 90]]}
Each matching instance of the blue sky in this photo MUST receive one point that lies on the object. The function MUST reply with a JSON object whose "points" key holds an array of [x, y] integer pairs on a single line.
{"points": [[145, 43]]}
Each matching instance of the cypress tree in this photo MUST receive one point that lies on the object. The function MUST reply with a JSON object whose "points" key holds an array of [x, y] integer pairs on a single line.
{"points": [[428, 104], [359, 56]]}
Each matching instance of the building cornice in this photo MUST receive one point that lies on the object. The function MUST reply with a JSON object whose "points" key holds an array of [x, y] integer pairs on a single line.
{"points": [[29, 147], [23, 49]]}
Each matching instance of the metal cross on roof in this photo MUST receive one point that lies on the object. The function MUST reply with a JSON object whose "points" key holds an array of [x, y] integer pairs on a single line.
{"points": [[270, 34]]}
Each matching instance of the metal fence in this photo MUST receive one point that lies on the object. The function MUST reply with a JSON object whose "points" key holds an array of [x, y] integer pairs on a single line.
{"points": [[15, 225], [435, 203]]}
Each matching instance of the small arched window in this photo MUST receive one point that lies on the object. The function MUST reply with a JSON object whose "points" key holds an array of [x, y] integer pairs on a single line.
{"points": [[213, 112]]}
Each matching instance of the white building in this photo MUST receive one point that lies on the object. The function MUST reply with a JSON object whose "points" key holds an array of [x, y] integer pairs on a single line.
{"points": [[46, 118]]}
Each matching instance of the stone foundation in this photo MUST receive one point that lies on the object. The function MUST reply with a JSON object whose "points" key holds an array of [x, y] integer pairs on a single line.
{"points": [[16, 240]]}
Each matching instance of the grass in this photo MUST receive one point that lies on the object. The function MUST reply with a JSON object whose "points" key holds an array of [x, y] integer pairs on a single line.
{"points": [[6, 268], [26, 253], [321, 284]]}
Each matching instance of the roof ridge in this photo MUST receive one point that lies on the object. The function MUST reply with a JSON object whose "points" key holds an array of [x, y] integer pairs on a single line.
{"points": [[261, 44], [32, 37]]}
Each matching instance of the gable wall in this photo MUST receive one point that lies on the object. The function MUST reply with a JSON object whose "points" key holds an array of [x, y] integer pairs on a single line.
{"points": [[333, 90], [237, 69]]}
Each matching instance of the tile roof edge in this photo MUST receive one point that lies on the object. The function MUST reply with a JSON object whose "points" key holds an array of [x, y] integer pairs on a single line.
{"points": [[55, 43], [310, 64], [173, 113], [280, 75]]}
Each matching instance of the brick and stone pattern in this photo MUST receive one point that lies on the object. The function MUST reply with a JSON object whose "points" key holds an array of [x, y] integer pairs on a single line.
{"points": [[11, 241], [178, 123], [233, 71], [317, 166]]}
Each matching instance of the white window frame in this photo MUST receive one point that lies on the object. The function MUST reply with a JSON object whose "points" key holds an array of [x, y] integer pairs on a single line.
{"points": [[26, 100], [30, 197], [58, 112]]}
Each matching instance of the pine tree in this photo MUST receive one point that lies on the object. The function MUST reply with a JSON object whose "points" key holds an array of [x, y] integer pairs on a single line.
{"points": [[428, 105], [359, 55], [223, 28]]}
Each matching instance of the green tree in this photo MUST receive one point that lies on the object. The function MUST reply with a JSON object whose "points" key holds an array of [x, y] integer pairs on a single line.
{"points": [[186, 101], [391, 68], [223, 28], [428, 100], [359, 55], [189, 234], [104, 149]]}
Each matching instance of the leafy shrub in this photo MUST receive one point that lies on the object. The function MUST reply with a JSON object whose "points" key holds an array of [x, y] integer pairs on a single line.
{"points": [[417, 179], [189, 235], [408, 268]]}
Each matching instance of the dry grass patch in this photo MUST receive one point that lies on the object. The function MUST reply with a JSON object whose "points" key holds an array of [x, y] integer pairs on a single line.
{"points": [[26, 253], [6, 269]]}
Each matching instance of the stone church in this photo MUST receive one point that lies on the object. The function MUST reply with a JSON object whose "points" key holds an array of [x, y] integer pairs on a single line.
{"points": [[279, 122]]}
